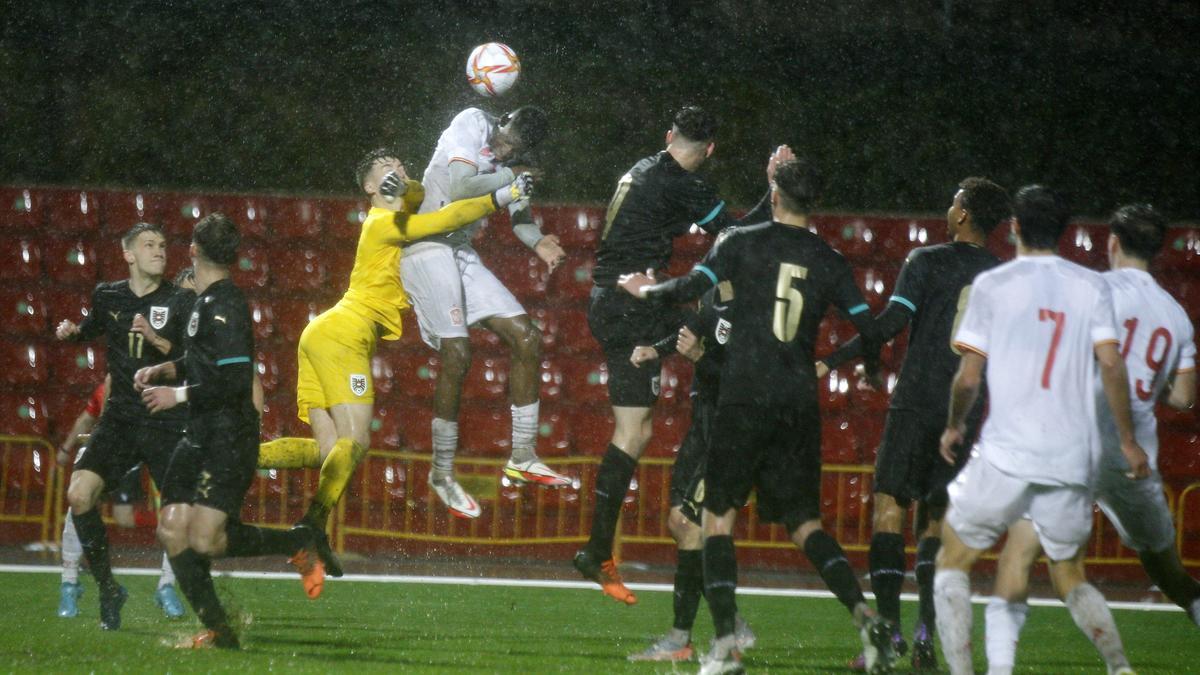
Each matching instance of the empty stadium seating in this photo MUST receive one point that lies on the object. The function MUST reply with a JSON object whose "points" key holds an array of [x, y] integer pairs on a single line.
{"points": [[23, 364], [20, 260]]}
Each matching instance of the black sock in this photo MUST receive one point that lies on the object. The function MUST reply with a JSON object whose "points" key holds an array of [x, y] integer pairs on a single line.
{"points": [[1170, 576], [927, 550], [195, 580], [720, 582], [827, 556], [887, 573], [93, 537], [689, 586], [247, 540], [612, 482]]}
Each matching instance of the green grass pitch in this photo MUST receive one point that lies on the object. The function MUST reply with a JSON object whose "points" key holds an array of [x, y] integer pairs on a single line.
{"points": [[420, 628]]}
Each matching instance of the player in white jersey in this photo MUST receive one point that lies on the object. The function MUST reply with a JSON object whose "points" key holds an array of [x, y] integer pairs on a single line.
{"points": [[451, 290], [1160, 354], [1036, 324]]}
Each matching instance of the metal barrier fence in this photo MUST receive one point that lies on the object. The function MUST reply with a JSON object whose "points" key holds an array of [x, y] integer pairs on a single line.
{"points": [[389, 505]]}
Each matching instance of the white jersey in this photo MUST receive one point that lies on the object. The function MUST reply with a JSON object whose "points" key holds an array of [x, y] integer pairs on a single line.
{"points": [[465, 140], [1156, 342], [1037, 320]]}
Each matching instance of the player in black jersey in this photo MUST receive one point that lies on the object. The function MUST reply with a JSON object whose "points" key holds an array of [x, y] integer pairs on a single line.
{"points": [[658, 199], [768, 432], [142, 320], [931, 294], [213, 465]]}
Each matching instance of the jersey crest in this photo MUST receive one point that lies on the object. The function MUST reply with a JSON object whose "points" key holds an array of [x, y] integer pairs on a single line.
{"points": [[158, 317], [193, 324], [358, 384], [723, 330]]}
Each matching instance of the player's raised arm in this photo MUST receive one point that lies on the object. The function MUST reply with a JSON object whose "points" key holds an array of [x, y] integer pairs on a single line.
{"points": [[413, 226], [894, 318]]}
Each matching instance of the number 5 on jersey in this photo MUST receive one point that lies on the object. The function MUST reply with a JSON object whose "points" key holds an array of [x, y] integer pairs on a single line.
{"points": [[789, 302]]}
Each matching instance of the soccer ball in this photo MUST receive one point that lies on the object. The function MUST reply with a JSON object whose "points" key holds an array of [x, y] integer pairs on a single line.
{"points": [[492, 69]]}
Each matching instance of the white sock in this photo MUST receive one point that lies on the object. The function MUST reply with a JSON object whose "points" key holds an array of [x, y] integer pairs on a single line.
{"points": [[1004, 622], [445, 444], [1092, 616], [952, 598], [72, 551], [168, 574], [524, 432], [1194, 611]]}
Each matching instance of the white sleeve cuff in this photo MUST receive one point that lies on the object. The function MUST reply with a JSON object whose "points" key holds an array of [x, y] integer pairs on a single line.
{"points": [[181, 394]]}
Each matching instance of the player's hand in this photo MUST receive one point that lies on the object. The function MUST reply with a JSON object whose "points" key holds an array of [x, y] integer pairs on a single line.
{"points": [[868, 381], [158, 399], [141, 325], [550, 251], [951, 439], [1139, 463], [690, 346], [520, 188], [66, 330], [392, 186], [148, 375], [782, 154], [822, 369], [635, 284], [642, 354]]}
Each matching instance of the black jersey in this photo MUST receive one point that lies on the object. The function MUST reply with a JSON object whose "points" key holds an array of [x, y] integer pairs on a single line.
{"points": [[934, 284], [784, 279], [712, 325], [656, 201], [112, 311], [217, 362]]}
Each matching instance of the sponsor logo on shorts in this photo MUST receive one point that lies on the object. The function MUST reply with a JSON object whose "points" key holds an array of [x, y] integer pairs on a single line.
{"points": [[656, 384], [158, 317], [456, 316], [194, 324], [723, 330], [358, 384]]}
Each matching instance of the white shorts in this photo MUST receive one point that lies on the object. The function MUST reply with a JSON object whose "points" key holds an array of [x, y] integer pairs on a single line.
{"points": [[984, 501], [450, 290], [1138, 509]]}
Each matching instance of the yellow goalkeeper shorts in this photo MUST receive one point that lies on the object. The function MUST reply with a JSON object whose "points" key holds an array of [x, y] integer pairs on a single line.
{"points": [[335, 361]]}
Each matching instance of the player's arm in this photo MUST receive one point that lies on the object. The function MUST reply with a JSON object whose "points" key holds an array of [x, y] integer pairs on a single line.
{"points": [[1115, 381], [894, 318], [466, 182], [848, 298], [413, 226], [87, 330], [235, 368], [964, 391], [1182, 385]]}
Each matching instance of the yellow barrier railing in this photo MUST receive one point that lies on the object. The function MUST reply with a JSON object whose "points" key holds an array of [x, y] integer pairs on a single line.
{"points": [[28, 476]]}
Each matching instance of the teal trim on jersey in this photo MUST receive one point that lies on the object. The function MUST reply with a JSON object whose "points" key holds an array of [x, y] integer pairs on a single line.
{"points": [[233, 359], [707, 272], [904, 301], [858, 309], [711, 214]]}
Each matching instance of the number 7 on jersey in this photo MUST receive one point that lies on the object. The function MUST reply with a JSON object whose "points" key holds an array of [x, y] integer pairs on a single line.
{"points": [[1059, 318]]}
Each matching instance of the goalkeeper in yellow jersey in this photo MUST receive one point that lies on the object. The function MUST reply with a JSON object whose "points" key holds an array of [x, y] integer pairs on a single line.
{"points": [[334, 392]]}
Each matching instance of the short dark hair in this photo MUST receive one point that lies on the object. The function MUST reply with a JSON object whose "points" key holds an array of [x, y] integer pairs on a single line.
{"points": [[1042, 214], [1140, 228], [529, 126], [986, 201], [695, 124], [364, 165], [217, 238], [128, 238], [796, 184], [185, 275]]}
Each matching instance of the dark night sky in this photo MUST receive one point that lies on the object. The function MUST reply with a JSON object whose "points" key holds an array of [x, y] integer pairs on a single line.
{"points": [[1099, 99]]}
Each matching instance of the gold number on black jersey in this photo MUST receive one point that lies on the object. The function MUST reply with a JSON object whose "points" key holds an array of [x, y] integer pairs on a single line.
{"points": [[136, 343], [963, 296], [614, 205], [789, 302]]}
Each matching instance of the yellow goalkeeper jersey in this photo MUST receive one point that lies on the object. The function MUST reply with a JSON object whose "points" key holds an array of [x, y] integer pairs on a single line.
{"points": [[375, 292]]}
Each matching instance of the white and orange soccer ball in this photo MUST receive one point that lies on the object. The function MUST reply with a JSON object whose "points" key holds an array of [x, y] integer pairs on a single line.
{"points": [[492, 69]]}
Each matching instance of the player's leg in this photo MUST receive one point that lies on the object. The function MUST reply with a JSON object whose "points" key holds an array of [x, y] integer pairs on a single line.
{"points": [[292, 453], [720, 579], [886, 558], [928, 526], [1007, 609], [352, 425], [70, 590]]}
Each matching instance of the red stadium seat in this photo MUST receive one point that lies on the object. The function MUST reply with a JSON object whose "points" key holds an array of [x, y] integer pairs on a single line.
{"points": [[71, 212], [413, 424], [383, 376], [72, 305], [180, 212], [262, 315], [1179, 452], [252, 268], [71, 262], [852, 235], [387, 428], [675, 380], [555, 435], [895, 237], [592, 428], [1086, 245], [524, 274], [346, 217], [338, 265], [574, 334], [485, 430], [121, 210], [1181, 251], [694, 245], [276, 370], [416, 375], [20, 260], [279, 417], [553, 381], [23, 364], [298, 270], [876, 284], [587, 381], [23, 414], [496, 237], [832, 390], [291, 316], [578, 227], [547, 321], [1002, 243], [1185, 288], [23, 313], [296, 217], [76, 364], [487, 379], [670, 428], [571, 283], [20, 210], [840, 443], [249, 212]]}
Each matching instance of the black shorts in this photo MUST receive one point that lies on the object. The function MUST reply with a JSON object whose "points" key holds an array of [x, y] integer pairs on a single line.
{"points": [[620, 322], [909, 466], [773, 450], [687, 474], [129, 488], [117, 446], [213, 465]]}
